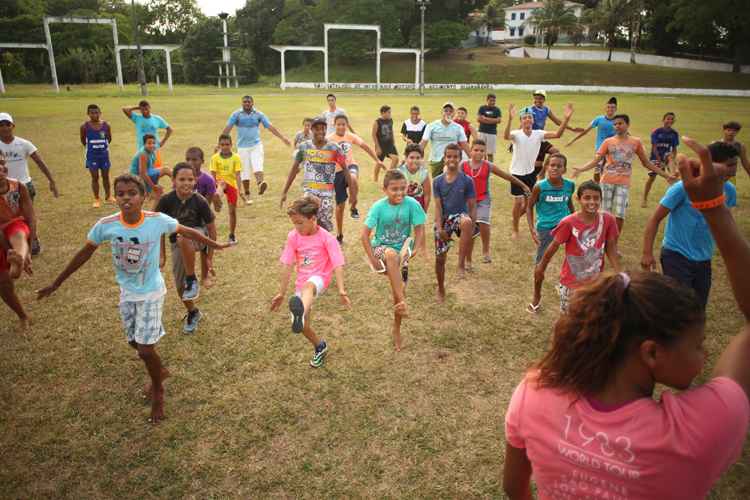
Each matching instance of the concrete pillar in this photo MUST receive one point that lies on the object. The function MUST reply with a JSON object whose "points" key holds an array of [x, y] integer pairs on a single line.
{"points": [[118, 63], [283, 70], [169, 69], [325, 56], [51, 52]]}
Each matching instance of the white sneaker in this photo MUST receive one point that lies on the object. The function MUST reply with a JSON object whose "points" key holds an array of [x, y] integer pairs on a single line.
{"points": [[248, 201]]}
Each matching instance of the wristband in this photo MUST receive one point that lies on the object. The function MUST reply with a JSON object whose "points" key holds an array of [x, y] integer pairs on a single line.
{"points": [[709, 204]]}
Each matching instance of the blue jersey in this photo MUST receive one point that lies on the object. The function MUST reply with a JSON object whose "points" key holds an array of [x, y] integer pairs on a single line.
{"points": [[605, 129], [540, 117], [97, 145], [665, 141]]}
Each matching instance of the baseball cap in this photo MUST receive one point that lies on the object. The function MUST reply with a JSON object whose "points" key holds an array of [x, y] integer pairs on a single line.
{"points": [[526, 111], [448, 103], [540, 92], [5, 117], [319, 120]]}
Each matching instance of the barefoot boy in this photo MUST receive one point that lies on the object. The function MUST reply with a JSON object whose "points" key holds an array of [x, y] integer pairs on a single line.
{"points": [[387, 228], [588, 235], [317, 256], [96, 135], [226, 168], [134, 237], [191, 210], [382, 137], [455, 213], [144, 166]]}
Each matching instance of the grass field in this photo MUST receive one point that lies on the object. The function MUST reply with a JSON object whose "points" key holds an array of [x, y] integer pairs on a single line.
{"points": [[248, 417], [490, 65]]}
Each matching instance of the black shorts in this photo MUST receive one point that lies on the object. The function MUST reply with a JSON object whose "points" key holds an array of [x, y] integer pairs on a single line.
{"points": [[528, 179], [387, 150], [543, 150], [339, 184]]}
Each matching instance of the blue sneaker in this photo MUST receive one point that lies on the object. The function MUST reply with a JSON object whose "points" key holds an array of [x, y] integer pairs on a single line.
{"points": [[320, 355], [192, 290], [191, 322], [297, 308]]}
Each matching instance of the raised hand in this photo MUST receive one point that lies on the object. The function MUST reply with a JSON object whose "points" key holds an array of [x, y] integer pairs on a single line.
{"points": [[511, 111], [568, 110], [699, 177]]}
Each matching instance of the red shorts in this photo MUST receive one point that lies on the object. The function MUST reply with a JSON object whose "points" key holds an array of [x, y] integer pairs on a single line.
{"points": [[231, 193], [17, 226]]}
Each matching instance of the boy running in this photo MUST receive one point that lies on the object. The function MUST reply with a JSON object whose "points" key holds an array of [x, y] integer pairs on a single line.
{"points": [[455, 213], [17, 224], [553, 200], [331, 113], [527, 143], [687, 247], [319, 160], [305, 134], [386, 240], [418, 182], [413, 128], [147, 123], [729, 136], [205, 184], [664, 142], [489, 117], [191, 210], [16, 151], [346, 141], [382, 137], [226, 168], [440, 134], [144, 166], [96, 135], [479, 170], [317, 256], [619, 152], [588, 235], [134, 237], [605, 128]]}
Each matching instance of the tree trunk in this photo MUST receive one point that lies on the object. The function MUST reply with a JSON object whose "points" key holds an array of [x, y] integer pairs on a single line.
{"points": [[635, 38], [609, 57], [549, 48], [737, 62]]}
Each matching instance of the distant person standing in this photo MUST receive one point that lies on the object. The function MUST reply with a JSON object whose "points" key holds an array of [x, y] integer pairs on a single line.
{"points": [[331, 113], [382, 136], [439, 134], [729, 136], [605, 128], [489, 116], [148, 123], [413, 128], [247, 119]]}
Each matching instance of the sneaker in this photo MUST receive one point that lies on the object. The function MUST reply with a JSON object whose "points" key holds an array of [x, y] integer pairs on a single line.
{"points": [[232, 239], [96, 203], [340, 239], [248, 201], [191, 321], [405, 273], [192, 290], [355, 213], [36, 247], [297, 308], [320, 355], [262, 188]]}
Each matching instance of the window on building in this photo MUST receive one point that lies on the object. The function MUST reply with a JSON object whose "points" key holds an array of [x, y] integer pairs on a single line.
{"points": [[522, 16], [512, 16], [520, 31], [513, 32]]}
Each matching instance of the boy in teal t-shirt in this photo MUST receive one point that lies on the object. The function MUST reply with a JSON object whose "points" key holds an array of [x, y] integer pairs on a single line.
{"points": [[391, 220], [553, 200]]}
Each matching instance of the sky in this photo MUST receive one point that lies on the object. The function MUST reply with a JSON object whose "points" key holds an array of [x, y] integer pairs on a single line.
{"points": [[213, 7]]}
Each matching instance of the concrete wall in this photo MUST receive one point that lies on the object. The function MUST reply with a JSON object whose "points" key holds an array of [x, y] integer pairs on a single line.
{"points": [[601, 55]]}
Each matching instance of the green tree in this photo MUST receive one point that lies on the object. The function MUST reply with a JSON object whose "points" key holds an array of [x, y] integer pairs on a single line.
{"points": [[607, 18], [257, 21], [170, 20], [553, 19]]}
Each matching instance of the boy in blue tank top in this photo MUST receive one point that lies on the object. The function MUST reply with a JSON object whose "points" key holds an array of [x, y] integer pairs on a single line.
{"points": [[96, 135], [664, 142], [553, 200]]}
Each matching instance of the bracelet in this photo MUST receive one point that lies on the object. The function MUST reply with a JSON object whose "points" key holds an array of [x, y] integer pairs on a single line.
{"points": [[709, 204]]}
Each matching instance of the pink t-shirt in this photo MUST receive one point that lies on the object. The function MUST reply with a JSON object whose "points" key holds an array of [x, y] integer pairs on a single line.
{"points": [[584, 246], [620, 154], [675, 448], [346, 142], [315, 255]]}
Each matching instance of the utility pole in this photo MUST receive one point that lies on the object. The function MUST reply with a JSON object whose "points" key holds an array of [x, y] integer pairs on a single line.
{"points": [[139, 49], [422, 7]]}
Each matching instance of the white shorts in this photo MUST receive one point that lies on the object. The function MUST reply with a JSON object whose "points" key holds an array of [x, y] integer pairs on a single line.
{"points": [[491, 140], [142, 320], [615, 199], [320, 286], [484, 210], [251, 159]]}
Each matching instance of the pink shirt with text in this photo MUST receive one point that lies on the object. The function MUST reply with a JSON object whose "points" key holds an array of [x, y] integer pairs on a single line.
{"points": [[315, 255], [675, 448], [584, 246]]}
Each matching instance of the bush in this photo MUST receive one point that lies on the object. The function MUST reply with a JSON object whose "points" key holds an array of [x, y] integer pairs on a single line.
{"points": [[441, 36], [529, 40]]}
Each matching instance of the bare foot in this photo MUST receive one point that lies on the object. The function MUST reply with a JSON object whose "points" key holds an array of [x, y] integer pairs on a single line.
{"points": [[16, 264], [148, 390], [440, 296], [24, 324], [644, 204], [514, 235], [208, 282], [157, 407], [461, 273]]}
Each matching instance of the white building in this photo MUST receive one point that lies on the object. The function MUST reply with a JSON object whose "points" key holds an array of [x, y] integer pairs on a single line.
{"points": [[519, 20]]}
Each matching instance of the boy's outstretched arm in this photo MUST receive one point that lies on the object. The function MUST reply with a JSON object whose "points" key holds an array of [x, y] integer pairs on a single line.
{"points": [[647, 163], [611, 250], [744, 160], [563, 125], [427, 187], [367, 246], [83, 134], [580, 134], [530, 204], [46, 171], [648, 263], [419, 239], [367, 149], [588, 166], [339, 273], [546, 258], [289, 180], [189, 232], [286, 275], [511, 115], [278, 134], [83, 255], [510, 178], [517, 474]]}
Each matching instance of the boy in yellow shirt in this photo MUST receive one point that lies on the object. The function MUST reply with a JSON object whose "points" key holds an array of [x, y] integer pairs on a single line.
{"points": [[226, 167]]}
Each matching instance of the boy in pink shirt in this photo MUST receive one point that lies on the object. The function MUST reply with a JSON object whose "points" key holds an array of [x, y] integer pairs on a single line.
{"points": [[588, 235], [619, 152], [317, 256], [584, 421]]}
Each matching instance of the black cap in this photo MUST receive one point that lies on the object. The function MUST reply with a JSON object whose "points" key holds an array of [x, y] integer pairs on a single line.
{"points": [[319, 120]]}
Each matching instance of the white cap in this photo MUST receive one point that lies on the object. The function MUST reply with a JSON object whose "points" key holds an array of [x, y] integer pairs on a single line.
{"points": [[447, 104], [5, 117], [541, 93]]}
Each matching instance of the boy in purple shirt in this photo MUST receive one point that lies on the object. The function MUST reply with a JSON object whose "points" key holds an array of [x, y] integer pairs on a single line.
{"points": [[205, 184]]}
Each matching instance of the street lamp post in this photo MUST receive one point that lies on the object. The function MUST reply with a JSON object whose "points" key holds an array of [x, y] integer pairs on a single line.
{"points": [[422, 7], [137, 40]]}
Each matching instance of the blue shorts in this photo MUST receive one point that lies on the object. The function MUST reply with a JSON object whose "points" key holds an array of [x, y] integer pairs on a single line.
{"points": [[545, 238], [142, 320], [154, 175], [98, 163]]}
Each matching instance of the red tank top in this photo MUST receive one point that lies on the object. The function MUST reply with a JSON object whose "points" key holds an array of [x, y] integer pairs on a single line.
{"points": [[10, 202], [480, 177]]}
